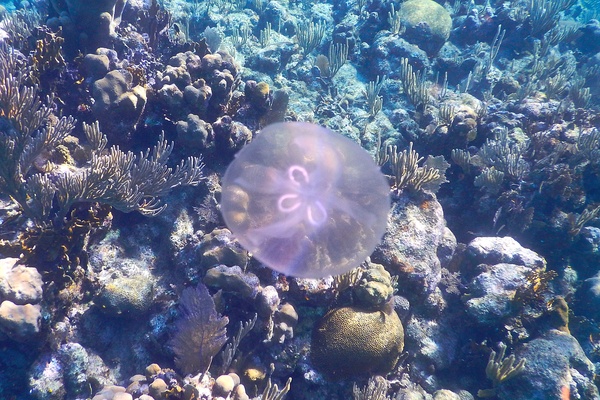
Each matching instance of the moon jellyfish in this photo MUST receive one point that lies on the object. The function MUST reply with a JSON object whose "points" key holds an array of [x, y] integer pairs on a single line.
{"points": [[305, 201]]}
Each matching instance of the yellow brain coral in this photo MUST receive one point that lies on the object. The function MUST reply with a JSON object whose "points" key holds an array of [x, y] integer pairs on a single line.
{"points": [[349, 341]]}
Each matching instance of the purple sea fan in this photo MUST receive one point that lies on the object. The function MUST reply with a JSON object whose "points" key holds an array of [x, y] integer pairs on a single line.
{"points": [[200, 331]]}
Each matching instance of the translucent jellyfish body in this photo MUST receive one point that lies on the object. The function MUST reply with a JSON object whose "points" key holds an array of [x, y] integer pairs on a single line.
{"points": [[305, 201]]}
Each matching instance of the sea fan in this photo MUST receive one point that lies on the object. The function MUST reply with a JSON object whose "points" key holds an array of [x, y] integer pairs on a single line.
{"points": [[200, 331]]}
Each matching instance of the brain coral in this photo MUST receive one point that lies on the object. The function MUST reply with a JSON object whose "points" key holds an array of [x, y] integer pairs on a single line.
{"points": [[125, 295], [427, 23], [349, 341]]}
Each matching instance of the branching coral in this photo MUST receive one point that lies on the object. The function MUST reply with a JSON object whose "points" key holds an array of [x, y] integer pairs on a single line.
{"points": [[272, 392], [407, 173], [29, 132], [310, 35], [414, 85], [124, 180], [48, 53], [20, 25], [490, 179], [544, 14], [330, 64], [374, 100], [231, 348], [24, 133], [500, 369]]}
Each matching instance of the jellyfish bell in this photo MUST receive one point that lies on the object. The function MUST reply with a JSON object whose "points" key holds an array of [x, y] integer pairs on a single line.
{"points": [[305, 201]]}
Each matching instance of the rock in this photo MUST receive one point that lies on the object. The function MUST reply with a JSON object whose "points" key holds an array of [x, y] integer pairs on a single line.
{"points": [[74, 360], [182, 231], [267, 301], [416, 229], [495, 250], [553, 362], [588, 297], [491, 293], [586, 251], [386, 54], [126, 295], [447, 247], [68, 373], [273, 57], [46, 382], [18, 283], [432, 342], [589, 39], [20, 322], [233, 279]]}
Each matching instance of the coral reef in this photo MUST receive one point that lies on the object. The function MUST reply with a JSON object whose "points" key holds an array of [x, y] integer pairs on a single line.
{"points": [[475, 124]]}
